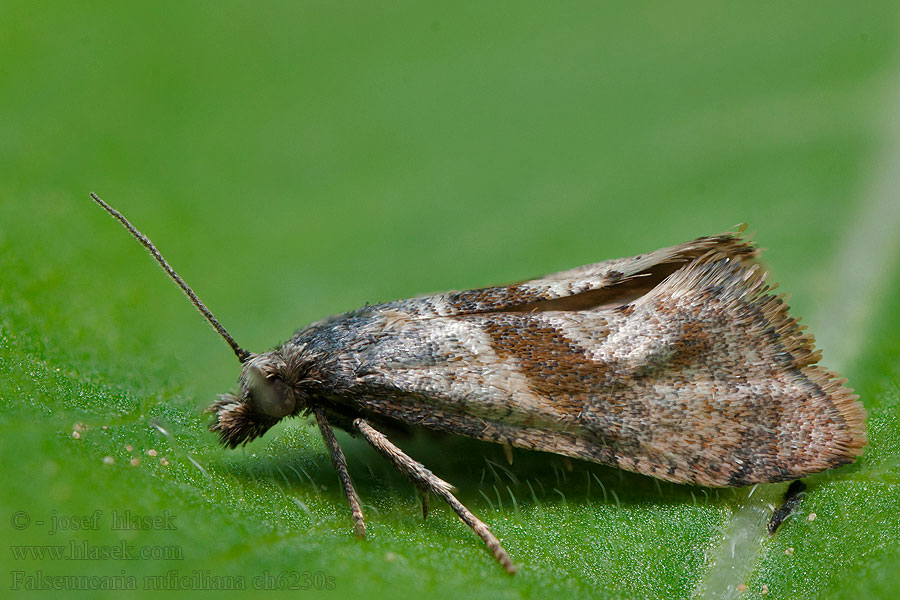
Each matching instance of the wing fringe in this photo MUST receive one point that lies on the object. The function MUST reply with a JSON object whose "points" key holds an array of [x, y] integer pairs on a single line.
{"points": [[747, 296]]}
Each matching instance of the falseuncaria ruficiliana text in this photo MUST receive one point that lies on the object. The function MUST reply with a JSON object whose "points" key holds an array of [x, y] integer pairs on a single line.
{"points": [[679, 363]]}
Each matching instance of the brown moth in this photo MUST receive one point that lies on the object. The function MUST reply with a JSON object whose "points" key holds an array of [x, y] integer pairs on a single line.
{"points": [[679, 363]]}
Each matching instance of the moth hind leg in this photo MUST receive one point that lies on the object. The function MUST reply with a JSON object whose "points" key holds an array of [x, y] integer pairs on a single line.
{"points": [[429, 482], [792, 498]]}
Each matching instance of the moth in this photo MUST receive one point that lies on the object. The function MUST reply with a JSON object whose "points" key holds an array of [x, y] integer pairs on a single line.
{"points": [[680, 364]]}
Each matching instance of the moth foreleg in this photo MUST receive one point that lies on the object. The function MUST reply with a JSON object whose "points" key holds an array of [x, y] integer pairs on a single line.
{"points": [[340, 464], [429, 482], [425, 505]]}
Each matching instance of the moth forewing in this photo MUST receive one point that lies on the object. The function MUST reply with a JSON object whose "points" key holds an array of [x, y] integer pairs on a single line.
{"points": [[704, 379], [758, 407], [606, 284], [678, 363]]}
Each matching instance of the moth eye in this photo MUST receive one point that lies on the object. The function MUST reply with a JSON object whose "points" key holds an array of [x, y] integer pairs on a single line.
{"points": [[277, 399], [272, 397]]}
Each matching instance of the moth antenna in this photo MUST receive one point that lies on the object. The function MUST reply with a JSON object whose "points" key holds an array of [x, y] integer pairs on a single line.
{"points": [[242, 354]]}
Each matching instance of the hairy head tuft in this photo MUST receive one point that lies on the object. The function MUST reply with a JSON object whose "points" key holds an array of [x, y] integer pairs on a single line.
{"points": [[237, 422]]}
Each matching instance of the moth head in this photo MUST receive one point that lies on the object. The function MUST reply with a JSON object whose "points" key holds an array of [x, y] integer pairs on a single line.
{"points": [[267, 393], [265, 397]]}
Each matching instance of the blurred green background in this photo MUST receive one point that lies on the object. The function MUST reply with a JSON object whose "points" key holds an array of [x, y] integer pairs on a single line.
{"points": [[297, 159]]}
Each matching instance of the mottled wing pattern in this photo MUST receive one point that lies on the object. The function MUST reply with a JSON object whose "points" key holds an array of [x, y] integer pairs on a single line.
{"points": [[704, 378], [606, 284]]}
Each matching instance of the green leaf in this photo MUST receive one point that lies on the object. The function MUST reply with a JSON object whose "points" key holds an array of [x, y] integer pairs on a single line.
{"points": [[294, 160]]}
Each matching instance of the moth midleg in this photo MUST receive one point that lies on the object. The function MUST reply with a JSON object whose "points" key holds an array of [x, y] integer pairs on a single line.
{"points": [[429, 482], [340, 463]]}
